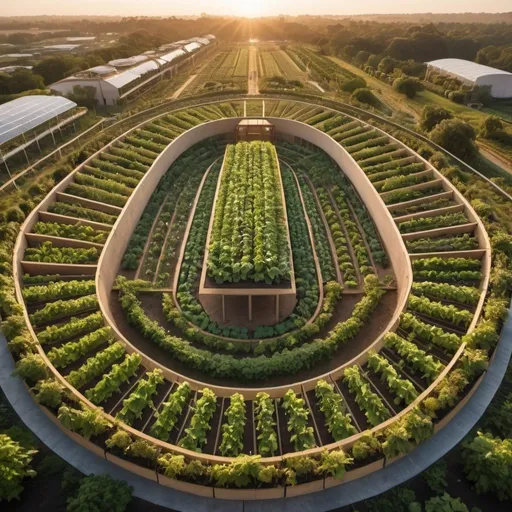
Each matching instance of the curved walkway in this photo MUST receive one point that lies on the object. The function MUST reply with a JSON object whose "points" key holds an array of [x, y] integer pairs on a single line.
{"points": [[351, 492]]}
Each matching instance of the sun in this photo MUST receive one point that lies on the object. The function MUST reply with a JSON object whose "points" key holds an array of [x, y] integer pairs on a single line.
{"points": [[250, 9]]}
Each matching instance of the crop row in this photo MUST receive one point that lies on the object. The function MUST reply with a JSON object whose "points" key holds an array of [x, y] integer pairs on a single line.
{"points": [[248, 240]]}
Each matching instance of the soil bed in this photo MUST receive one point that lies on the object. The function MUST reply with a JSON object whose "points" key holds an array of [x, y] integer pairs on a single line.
{"points": [[325, 436], [384, 390], [358, 415], [366, 336], [111, 402], [161, 392]]}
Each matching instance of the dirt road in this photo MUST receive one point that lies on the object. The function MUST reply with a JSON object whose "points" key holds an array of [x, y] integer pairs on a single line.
{"points": [[253, 78]]}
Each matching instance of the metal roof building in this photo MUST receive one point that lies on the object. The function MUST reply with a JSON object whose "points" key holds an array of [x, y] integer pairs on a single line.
{"points": [[121, 78], [471, 73]]}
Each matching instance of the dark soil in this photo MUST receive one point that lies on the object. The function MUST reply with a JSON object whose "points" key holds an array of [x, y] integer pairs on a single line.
{"points": [[358, 415], [161, 392], [286, 444], [325, 436], [123, 389], [215, 424]]}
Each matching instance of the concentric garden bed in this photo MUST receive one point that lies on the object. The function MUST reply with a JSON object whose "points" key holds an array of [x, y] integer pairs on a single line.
{"points": [[306, 400]]}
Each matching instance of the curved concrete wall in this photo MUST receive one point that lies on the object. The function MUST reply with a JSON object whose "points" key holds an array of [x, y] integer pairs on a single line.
{"points": [[348, 165], [120, 235]]}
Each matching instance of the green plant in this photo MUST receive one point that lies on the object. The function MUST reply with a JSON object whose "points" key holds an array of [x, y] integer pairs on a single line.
{"points": [[49, 392], [302, 434], [334, 463], [435, 476], [338, 421], [111, 381], [244, 471], [488, 464], [445, 503], [370, 403], [248, 239], [101, 493], [195, 433], [140, 397], [233, 430], [170, 412], [14, 467], [265, 424]]}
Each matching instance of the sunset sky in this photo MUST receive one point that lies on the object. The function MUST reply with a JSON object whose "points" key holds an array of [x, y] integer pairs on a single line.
{"points": [[244, 7]]}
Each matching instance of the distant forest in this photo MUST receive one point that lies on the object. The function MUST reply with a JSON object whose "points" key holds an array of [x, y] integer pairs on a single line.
{"points": [[485, 38]]}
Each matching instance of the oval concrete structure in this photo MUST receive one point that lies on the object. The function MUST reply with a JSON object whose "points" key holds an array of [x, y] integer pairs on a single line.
{"points": [[107, 267]]}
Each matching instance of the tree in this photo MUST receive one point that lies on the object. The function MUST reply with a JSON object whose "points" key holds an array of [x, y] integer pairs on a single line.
{"points": [[373, 61], [355, 83], [350, 51], [408, 86], [488, 464], [387, 65], [364, 95], [20, 80], [490, 127], [432, 116], [53, 69], [457, 137], [361, 57], [14, 467], [101, 493], [84, 96]]}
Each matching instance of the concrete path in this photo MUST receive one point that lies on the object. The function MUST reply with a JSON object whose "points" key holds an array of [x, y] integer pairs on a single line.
{"points": [[253, 78], [351, 492], [177, 93], [317, 85]]}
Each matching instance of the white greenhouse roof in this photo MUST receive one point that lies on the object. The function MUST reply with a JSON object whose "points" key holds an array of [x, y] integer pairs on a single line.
{"points": [[132, 74], [192, 47], [23, 114], [466, 69], [104, 69], [130, 61], [169, 57], [211, 37], [201, 40]]}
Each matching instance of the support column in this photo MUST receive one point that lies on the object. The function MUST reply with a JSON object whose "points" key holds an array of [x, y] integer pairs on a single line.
{"points": [[250, 308], [277, 309], [223, 308]]}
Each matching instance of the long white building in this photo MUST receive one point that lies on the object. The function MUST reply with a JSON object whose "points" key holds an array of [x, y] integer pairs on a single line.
{"points": [[122, 78], [471, 73]]}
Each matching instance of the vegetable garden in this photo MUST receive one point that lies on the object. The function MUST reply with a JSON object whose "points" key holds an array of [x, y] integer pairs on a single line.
{"points": [[283, 404]]}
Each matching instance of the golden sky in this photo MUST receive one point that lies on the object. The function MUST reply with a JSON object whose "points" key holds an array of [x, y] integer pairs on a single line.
{"points": [[250, 8]]}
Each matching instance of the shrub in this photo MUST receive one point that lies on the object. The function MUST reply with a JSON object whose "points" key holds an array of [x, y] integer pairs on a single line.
{"points": [[14, 467], [445, 503], [101, 493], [364, 95], [432, 116], [488, 464], [408, 86], [490, 127], [355, 83], [457, 137]]}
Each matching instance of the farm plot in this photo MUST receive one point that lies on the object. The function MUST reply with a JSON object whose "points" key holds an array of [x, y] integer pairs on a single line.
{"points": [[227, 71], [445, 297], [249, 240]]}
